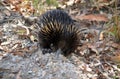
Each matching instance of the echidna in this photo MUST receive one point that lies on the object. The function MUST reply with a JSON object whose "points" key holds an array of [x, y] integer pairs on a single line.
{"points": [[58, 31]]}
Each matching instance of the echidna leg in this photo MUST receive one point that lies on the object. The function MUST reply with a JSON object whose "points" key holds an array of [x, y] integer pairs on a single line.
{"points": [[58, 52]]}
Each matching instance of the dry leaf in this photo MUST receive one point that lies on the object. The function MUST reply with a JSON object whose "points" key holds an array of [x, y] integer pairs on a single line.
{"points": [[116, 45], [101, 37], [18, 75], [70, 2], [5, 43], [77, 1], [19, 53], [116, 59], [85, 67], [32, 37], [93, 17]]}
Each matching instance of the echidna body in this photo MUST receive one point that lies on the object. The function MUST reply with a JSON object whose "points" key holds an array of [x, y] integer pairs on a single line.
{"points": [[57, 31]]}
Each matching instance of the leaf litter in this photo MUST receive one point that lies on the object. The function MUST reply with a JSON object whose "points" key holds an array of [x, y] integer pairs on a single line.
{"points": [[21, 58]]}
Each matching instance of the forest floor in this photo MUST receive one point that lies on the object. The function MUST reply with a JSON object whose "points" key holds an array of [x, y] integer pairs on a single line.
{"points": [[97, 58]]}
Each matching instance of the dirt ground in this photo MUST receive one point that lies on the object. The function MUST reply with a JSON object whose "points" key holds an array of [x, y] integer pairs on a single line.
{"points": [[21, 57]]}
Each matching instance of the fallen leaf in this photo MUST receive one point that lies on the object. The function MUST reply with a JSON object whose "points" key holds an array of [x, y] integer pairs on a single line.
{"points": [[19, 53], [85, 67], [101, 37], [116, 58], [70, 2], [115, 45], [5, 43], [93, 17], [18, 75]]}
